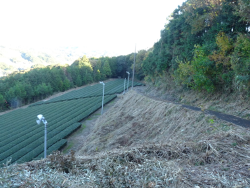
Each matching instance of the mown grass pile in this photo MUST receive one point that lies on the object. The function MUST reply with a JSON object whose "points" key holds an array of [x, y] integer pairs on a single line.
{"points": [[141, 142]]}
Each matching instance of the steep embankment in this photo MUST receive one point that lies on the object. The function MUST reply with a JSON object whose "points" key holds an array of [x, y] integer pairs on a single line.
{"points": [[198, 148], [141, 142], [137, 119]]}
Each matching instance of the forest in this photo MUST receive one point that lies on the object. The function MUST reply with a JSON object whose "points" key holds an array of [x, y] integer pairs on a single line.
{"points": [[205, 46], [25, 87]]}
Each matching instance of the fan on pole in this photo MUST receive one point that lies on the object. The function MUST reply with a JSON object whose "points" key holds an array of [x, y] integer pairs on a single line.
{"points": [[42, 119]]}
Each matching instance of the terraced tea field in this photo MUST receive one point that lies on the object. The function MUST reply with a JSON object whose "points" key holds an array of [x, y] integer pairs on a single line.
{"points": [[21, 139]]}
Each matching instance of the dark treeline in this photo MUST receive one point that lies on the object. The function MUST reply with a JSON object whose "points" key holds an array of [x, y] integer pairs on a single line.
{"points": [[23, 88], [205, 46]]}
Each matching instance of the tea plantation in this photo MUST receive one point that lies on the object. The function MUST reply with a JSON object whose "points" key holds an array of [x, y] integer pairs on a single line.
{"points": [[21, 139]]}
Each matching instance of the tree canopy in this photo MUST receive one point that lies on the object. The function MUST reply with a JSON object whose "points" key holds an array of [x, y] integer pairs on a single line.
{"points": [[21, 88], [205, 46]]}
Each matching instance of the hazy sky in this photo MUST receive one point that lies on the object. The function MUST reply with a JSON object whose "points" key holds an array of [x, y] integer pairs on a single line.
{"points": [[113, 25]]}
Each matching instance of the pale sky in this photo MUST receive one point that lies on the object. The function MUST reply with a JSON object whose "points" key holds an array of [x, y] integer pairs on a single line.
{"points": [[113, 25]]}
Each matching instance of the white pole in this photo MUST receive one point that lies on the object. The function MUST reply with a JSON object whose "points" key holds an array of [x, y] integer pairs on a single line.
{"points": [[41, 118], [102, 96], [133, 70], [128, 80], [124, 86], [45, 140]]}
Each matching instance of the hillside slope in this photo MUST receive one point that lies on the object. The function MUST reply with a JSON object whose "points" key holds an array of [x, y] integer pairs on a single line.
{"points": [[141, 142]]}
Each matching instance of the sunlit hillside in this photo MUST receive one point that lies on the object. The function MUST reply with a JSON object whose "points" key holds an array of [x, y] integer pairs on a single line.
{"points": [[20, 58]]}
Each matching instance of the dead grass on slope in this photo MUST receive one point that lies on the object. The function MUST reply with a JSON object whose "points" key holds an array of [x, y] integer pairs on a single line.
{"points": [[204, 148], [141, 142], [234, 103], [229, 103], [152, 165], [137, 119]]}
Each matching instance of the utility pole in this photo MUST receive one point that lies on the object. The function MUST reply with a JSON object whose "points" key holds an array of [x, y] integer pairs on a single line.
{"points": [[133, 70]]}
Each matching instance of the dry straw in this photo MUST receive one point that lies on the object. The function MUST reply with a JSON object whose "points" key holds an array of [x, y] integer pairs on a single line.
{"points": [[141, 142]]}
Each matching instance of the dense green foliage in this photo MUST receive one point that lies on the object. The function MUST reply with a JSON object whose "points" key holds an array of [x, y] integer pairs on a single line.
{"points": [[38, 83], [205, 46], [63, 114]]}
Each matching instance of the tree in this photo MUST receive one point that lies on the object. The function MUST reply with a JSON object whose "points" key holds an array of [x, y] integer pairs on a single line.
{"points": [[242, 9], [78, 81], [96, 64], [121, 66], [106, 68], [2, 102], [66, 84], [30, 93], [113, 66], [43, 90], [140, 57], [85, 70]]}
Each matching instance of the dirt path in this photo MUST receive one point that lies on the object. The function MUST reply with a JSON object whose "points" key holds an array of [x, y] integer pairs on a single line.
{"points": [[77, 139], [229, 118]]}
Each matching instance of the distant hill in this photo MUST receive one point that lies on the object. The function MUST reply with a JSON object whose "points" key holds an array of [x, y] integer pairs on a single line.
{"points": [[17, 58], [21, 58]]}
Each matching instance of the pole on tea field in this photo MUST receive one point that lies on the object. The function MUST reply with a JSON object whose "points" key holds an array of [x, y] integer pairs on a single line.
{"points": [[42, 119], [102, 95], [124, 86], [128, 79], [133, 71]]}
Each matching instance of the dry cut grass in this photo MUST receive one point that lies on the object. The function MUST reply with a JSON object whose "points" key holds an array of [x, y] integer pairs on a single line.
{"points": [[204, 148], [229, 103], [234, 103], [141, 142]]}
